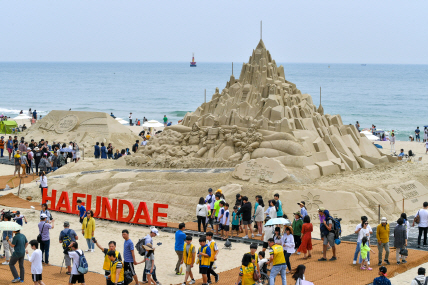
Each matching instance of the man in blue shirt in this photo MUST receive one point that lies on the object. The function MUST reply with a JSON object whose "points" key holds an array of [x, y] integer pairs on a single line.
{"points": [[97, 151], [180, 238], [382, 280], [401, 152], [279, 212], [82, 210], [35, 115], [129, 255], [417, 133]]}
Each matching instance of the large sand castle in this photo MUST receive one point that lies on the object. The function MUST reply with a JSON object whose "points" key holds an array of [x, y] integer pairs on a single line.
{"points": [[263, 117], [85, 128]]}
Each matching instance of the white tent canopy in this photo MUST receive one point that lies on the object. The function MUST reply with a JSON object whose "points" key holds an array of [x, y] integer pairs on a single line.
{"points": [[152, 124]]}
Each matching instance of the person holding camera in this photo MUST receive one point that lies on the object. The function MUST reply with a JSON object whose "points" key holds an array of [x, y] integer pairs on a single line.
{"points": [[66, 237], [107, 259], [45, 242], [8, 250]]}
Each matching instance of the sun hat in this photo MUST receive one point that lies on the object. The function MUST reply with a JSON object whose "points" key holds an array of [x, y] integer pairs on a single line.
{"points": [[155, 231], [302, 203], [148, 246], [36, 148], [297, 213], [321, 209], [219, 191]]}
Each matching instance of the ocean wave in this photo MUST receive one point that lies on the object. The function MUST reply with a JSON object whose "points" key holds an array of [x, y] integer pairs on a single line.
{"points": [[179, 113], [9, 111]]}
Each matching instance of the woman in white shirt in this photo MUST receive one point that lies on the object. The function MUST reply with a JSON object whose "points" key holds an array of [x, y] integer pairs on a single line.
{"points": [[288, 244], [272, 211], [43, 182], [364, 232], [201, 214], [259, 216], [299, 275]]}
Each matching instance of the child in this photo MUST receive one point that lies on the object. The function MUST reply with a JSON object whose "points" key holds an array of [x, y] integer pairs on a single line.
{"points": [[263, 262], [226, 222], [189, 256], [150, 263], [82, 210], [382, 280], [364, 250], [220, 217], [254, 255], [36, 263], [204, 256], [267, 234], [18, 218], [235, 221], [214, 252]]}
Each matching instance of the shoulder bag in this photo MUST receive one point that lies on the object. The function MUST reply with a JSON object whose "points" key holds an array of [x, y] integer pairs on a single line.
{"points": [[256, 275], [39, 237], [417, 218]]}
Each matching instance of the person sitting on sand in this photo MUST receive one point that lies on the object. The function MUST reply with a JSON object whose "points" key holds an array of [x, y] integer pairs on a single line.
{"points": [[401, 153]]}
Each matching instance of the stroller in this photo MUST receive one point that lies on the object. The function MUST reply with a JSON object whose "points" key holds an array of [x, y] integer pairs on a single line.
{"points": [[264, 277]]}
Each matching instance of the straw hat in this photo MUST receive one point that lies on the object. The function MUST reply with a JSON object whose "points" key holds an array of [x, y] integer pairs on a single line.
{"points": [[290, 228], [148, 246]]}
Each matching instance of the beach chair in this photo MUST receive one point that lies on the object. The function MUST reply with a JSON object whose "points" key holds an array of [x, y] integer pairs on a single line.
{"points": [[419, 159]]}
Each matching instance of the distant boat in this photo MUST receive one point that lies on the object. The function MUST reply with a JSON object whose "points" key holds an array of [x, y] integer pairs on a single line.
{"points": [[193, 63], [363, 64], [329, 66]]}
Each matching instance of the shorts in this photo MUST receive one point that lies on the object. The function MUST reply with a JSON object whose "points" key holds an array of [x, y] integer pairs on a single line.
{"points": [[77, 279], [67, 260], [235, 227], [365, 259], [129, 266], [220, 226], [36, 277], [188, 267], [9, 150], [203, 270], [265, 245], [226, 228], [418, 136], [147, 271], [247, 222], [329, 239]]}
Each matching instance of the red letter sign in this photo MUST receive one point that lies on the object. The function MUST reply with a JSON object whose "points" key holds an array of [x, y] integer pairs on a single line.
{"points": [[128, 218], [51, 198], [145, 216], [156, 214], [63, 202]]}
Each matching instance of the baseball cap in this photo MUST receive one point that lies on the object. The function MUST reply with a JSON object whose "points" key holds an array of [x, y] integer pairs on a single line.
{"points": [[155, 231], [210, 190], [66, 224], [43, 216], [383, 269], [383, 220]]}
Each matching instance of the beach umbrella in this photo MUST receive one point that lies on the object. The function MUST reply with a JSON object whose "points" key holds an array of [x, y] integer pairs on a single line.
{"points": [[152, 124], [66, 149], [10, 226], [278, 221]]}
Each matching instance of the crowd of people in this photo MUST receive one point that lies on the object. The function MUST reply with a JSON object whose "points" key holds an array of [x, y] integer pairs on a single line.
{"points": [[38, 157]]}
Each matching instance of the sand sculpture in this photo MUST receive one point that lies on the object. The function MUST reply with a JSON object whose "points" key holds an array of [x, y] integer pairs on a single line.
{"points": [[85, 128], [261, 114]]}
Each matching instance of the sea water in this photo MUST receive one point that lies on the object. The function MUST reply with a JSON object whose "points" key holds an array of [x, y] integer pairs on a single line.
{"points": [[388, 96]]}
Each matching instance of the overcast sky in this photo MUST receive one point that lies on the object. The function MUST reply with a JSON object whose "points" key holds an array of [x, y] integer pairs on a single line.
{"points": [[217, 31]]}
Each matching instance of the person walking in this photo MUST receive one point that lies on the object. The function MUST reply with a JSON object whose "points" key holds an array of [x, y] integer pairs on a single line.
{"points": [[297, 229], [117, 272], [392, 142], [9, 146], [204, 257], [180, 238], [272, 209], [97, 151], [306, 244], [19, 244], [214, 252], [400, 240], [66, 236], [277, 260], [327, 232], [17, 161], [165, 120], [82, 210], [75, 253], [103, 151], [420, 279], [246, 272], [366, 230], [43, 182], [7, 235], [107, 259], [44, 228], [129, 255], [421, 219], [246, 216], [148, 239], [88, 230], [36, 263], [2, 142], [130, 119], [382, 235], [259, 216], [189, 257], [201, 214], [288, 245], [382, 280], [279, 212]]}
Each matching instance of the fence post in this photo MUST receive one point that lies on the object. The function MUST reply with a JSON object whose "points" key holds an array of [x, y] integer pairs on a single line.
{"points": [[378, 215]]}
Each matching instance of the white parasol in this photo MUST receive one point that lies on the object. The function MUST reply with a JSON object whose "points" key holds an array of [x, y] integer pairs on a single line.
{"points": [[10, 226], [278, 221], [152, 124]]}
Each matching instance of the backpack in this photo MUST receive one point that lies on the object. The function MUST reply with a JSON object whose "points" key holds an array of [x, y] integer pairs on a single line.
{"points": [[337, 228], [83, 264], [141, 250], [128, 277], [419, 283], [66, 241]]}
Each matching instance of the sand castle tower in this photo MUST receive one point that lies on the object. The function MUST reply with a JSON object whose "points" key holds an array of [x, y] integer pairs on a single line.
{"points": [[263, 115]]}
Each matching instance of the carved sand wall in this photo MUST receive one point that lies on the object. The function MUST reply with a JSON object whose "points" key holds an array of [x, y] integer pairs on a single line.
{"points": [[262, 115]]}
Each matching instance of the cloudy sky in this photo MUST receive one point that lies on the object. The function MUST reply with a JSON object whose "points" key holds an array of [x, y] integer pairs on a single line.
{"points": [[310, 31]]}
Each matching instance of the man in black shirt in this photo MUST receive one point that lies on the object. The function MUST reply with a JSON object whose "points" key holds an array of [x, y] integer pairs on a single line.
{"points": [[246, 215]]}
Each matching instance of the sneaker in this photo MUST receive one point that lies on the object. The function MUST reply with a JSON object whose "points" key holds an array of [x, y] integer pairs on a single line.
{"points": [[209, 282], [258, 235], [354, 262], [192, 281], [403, 261], [16, 280], [298, 253], [387, 262], [184, 283], [322, 259], [92, 250], [380, 263], [398, 262], [217, 278], [245, 237], [368, 262], [87, 250], [252, 235], [363, 268], [5, 263], [369, 268], [333, 258]]}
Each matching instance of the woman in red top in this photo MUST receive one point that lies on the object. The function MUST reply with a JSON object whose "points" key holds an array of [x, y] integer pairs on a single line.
{"points": [[306, 245]]}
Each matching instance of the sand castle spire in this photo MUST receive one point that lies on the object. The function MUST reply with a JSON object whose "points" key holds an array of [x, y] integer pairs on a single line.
{"points": [[320, 108]]}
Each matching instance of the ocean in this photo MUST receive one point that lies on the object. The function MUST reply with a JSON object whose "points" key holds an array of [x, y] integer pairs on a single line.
{"points": [[388, 96]]}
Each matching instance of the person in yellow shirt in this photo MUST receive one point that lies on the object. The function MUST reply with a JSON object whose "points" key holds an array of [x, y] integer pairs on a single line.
{"points": [[88, 230], [278, 262], [204, 257], [189, 257], [254, 255], [106, 265], [117, 275], [382, 235], [214, 253], [246, 272]]}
